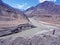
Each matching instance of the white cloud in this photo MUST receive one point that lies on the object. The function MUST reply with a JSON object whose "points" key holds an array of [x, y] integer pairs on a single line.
{"points": [[22, 6], [46, 0]]}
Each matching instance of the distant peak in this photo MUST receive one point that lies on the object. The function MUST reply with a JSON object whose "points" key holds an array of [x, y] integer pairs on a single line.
{"points": [[31, 8], [48, 2]]}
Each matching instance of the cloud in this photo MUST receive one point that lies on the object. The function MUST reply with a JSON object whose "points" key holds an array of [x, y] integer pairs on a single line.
{"points": [[46, 0], [22, 6]]}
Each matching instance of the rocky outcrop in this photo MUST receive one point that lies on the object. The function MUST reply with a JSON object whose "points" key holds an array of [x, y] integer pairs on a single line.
{"points": [[38, 39], [45, 40], [12, 20], [12, 30], [10, 41], [22, 27]]}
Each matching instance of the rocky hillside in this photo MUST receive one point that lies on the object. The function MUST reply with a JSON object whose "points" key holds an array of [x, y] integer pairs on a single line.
{"points": [[46, 11], [12, 20], [10, 16], [45, 38], [46, 8]]}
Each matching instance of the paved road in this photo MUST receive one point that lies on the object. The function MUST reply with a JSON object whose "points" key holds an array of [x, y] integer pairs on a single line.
{"points": [[40, 28]]}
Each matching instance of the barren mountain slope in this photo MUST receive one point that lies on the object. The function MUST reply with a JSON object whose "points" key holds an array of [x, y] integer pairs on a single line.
{"points": [[12, 20], [10, 16], [46, 11]]}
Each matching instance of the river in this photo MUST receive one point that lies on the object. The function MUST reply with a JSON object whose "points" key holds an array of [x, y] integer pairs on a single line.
{"points": [[40, 27]]}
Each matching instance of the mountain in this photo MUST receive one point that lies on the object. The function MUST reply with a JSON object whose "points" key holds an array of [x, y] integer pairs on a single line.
{"points": [[12, 20], [10, 16], [50, 7], [46, 11], [29, 11], [46, 7]]}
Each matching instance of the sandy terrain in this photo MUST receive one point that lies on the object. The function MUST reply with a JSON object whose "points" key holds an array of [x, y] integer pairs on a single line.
{"points": [[12, 23], [50, 21], [42, 35], [40, 28]]}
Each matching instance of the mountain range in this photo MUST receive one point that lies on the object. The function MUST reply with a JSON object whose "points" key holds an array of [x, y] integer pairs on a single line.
{"points": [[13, 21], [46, 7], [47, 11]]}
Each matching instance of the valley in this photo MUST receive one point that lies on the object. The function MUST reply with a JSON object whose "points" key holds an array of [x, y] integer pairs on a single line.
{"points": [[30, 36], [38, 25]]}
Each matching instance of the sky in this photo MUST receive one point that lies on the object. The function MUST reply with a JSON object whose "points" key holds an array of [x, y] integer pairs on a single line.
{"points": [[25, 4]]}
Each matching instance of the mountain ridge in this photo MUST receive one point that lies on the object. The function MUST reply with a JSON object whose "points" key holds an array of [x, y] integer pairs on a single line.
{"points": [[49, 7], [46, 12], [11, 16]]}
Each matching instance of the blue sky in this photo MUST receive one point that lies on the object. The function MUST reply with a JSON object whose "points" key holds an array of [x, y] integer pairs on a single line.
{"points": [[24, 4]]}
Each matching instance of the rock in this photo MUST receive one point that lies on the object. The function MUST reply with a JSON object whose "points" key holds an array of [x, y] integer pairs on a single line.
{"points": [[39, 39], [16, 29], [6, 41], [19, 41], [10, 18], [45, 40]]}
